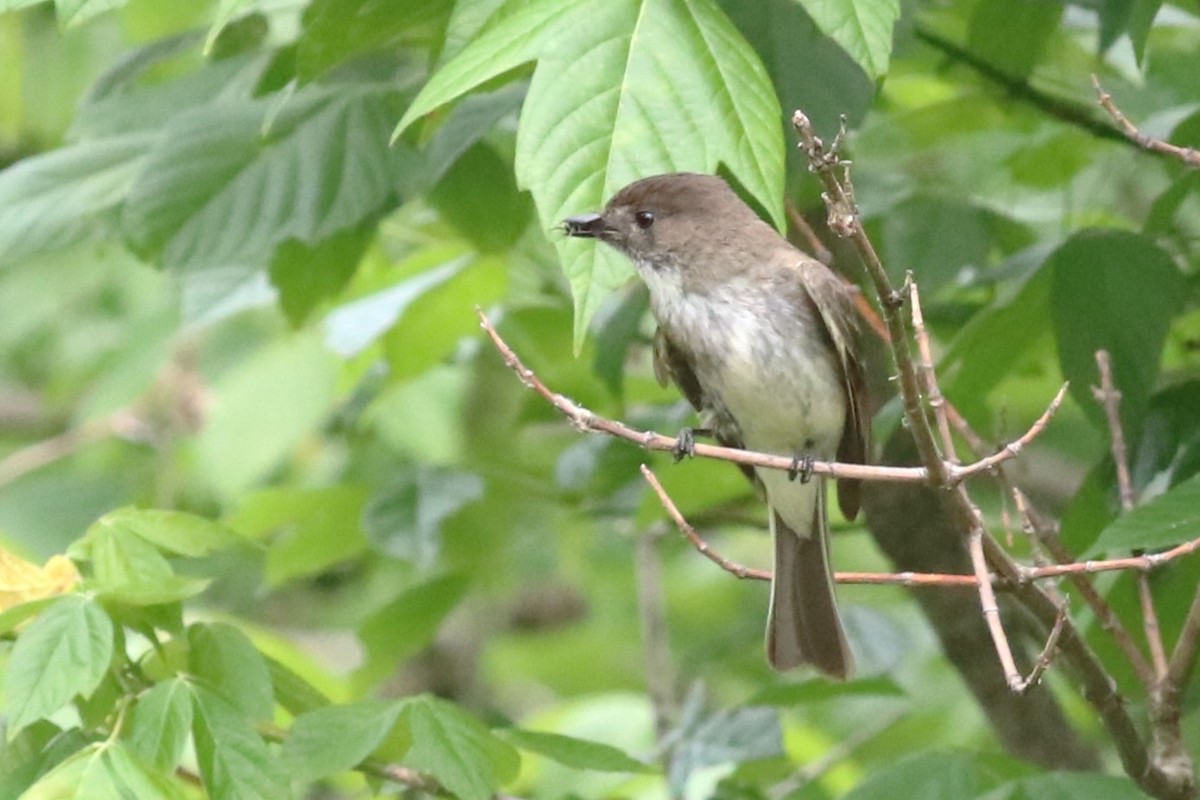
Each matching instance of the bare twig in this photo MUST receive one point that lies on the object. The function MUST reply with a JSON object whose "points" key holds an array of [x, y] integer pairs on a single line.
{"points": [[1109, 398], [815, 245], [47, 451], [916, 579], [1098, 686], [1187, 155], [933, 392], [589, 422]]}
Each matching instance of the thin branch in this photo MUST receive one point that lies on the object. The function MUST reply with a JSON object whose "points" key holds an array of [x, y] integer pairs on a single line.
{"points": [[933, 391], [1183, 659], [1109, 398], [1099, 688], [915, 579], [815, 245], [47, 451], [589, 422], [1187, 155], [1074, 113]]}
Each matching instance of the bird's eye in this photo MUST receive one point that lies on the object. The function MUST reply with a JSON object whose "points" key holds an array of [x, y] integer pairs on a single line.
{"points": [[644, 219]]}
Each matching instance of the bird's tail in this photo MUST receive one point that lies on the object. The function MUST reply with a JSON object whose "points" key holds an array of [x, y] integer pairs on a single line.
{"points": [[803, 626]]}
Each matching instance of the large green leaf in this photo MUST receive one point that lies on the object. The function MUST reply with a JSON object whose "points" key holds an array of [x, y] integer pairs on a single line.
{"points": [[1168, 519], [58, 199], [70, 12], [104, 771], [264, 408], [622, 90], [234, 760], [862, 27], [330, 740], [1011, 34], [401, 628], [457, 749], [1116, 291], [130, 570], [176, 532], [314, 529], [931, 775], [63, 653], [336, 30], [160, 723], [230, 181], [573, 752], [229, 663]]}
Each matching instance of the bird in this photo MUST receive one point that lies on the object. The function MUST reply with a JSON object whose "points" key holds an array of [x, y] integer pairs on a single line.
{"points": [[761, 338]]}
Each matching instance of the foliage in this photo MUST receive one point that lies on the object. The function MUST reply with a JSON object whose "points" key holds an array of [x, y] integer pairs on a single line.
{"points": [[323, 535]]}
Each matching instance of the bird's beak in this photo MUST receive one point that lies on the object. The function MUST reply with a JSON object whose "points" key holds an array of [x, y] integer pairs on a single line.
{"points": [[585, 226]]}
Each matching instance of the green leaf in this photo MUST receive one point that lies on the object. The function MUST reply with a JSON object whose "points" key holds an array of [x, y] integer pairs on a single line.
{"points": [[1098, 301], [129, 569], [1134, 17], [231, 665], [513, 35], [22, 759], [862, 27], [128, 776], [307, 275], [76, 12], [479, 197], [176, 532], [930, 775], [315, 528], [1011, 35], [456, 749], [1067, 786], [740, 734], [10, 618], [815, 691], [404, 520], [334, 739], [234, 760], [292, 691], [722, 110], [227, 183], [226, 12], [104, 771], [406, 625], [63, 653], [62, 197], [160, 723], [353, 326], [810, 70], [1169, 519], [575, 753], [667, 85], [993, 342], [264, 408], [336, 30]]}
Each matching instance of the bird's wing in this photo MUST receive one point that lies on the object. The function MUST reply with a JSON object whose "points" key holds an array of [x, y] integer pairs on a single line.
{"points": [[835, 305], [672, 363]]}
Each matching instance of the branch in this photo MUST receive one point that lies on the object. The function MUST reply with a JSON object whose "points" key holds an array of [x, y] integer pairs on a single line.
{"points": [[908, 578], [1109, 398], [1187, 155], [1068, 111], [590, 422]]}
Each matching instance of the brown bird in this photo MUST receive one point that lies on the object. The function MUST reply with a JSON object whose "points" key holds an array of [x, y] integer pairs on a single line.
{"points": [[760, 338]]}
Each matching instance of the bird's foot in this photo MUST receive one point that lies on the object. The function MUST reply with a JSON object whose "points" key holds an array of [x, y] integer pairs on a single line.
{"points": [[685, 443], [802, 468]]}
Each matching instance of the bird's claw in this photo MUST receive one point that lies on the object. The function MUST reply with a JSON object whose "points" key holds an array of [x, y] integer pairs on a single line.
{"points": [[685, 445], [802, 468]]}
